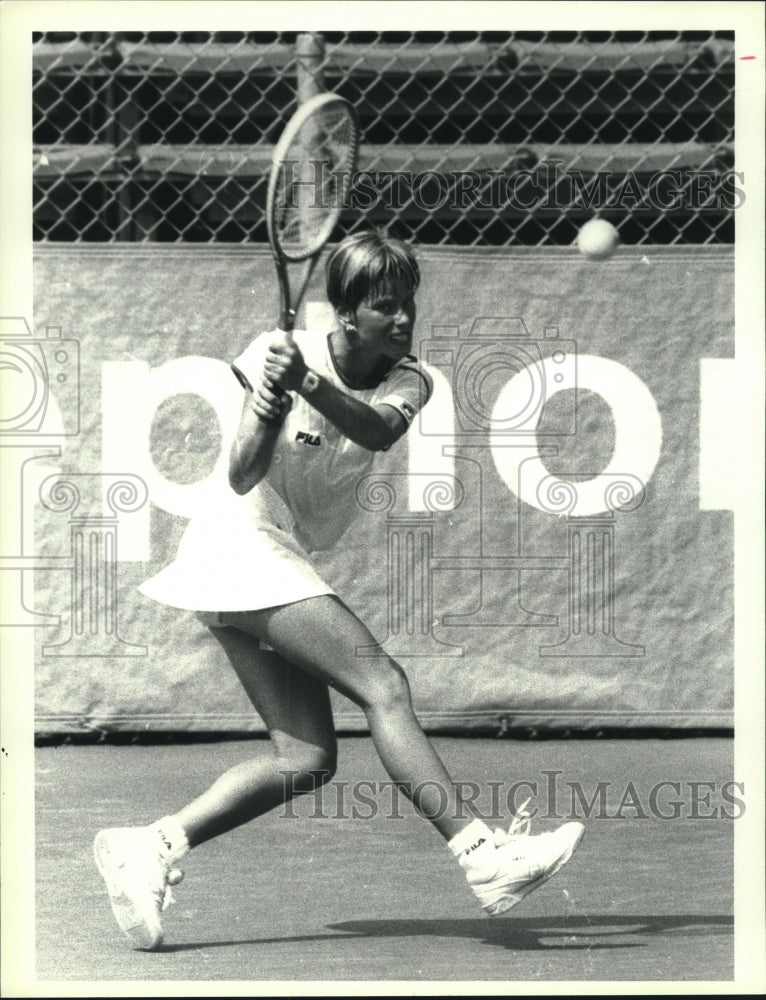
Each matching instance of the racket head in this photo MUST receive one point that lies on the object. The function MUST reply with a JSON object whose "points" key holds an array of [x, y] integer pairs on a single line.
{"points": [[311, 173]]}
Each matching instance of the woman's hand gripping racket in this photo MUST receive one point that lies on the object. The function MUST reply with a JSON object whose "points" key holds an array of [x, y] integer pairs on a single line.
{"points": [[311, 172]]}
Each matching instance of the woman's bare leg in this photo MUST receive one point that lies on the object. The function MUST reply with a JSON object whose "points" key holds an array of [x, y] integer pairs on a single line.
{"points": [[321, 636], [299, 757]]}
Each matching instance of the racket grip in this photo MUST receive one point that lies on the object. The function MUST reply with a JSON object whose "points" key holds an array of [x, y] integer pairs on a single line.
{"points": [[287, 330], [244, 381], [250, 361]]}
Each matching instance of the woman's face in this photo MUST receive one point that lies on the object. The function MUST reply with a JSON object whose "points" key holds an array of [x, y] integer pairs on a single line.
{"points": [[385, 321]]}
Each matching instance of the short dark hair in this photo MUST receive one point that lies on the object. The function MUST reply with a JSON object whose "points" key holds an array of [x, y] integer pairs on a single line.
{"points": [[362, 263]]}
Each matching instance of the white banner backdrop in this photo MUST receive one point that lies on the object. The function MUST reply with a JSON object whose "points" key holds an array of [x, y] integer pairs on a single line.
{"points": [[551, 546]]}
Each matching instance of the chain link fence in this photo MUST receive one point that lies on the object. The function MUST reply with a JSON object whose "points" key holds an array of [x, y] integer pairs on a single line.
{"points": [[483, 139]]}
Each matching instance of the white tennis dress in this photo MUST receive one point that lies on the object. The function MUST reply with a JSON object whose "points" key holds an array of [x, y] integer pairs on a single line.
{"points": [[254, 553]]}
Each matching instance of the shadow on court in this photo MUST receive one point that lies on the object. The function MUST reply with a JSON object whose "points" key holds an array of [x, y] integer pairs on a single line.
{"points": [[522, 935], [593, 931]]}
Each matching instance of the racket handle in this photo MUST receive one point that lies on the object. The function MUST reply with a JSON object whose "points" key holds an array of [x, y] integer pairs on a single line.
{"points": [[250, 360], [287, 324], [244, 381], [241, 364]]}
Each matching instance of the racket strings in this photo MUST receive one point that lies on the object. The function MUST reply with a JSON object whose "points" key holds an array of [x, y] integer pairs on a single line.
{"points": [[314, 179]]}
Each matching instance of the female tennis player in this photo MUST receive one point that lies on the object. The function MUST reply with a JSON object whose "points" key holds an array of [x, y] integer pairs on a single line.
{"points": [[321, 406]]}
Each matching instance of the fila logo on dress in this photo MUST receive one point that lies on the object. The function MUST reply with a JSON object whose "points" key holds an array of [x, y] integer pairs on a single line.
{"points": [[307, 438]]}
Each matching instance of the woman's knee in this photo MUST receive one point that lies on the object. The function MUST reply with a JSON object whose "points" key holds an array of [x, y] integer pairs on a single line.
{"points": [[305, 769], [389, 690]]}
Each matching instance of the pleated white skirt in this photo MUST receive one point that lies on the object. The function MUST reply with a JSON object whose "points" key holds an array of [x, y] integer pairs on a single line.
{"points": [[240, 560]]}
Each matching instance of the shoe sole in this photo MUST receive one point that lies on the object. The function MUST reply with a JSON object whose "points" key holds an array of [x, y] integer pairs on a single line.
{"points": [[506, 905], [131, 922]]}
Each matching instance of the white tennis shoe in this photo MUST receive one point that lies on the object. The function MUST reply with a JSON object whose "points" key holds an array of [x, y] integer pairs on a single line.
{"points": [[138, 879], [522, 863]]}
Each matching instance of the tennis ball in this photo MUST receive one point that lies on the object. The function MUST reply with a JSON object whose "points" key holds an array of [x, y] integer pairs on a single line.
{"points": [[597, 239]]}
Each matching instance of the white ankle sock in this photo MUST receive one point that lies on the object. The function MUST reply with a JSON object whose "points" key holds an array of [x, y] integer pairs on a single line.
{"points": [[474, 846], [173, 837]]}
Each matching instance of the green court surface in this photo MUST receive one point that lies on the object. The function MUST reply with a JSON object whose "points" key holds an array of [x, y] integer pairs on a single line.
{"points": [[320, 895]]}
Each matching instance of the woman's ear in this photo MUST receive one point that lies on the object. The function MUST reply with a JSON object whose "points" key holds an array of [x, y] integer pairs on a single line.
{"points": [[347, 320]]}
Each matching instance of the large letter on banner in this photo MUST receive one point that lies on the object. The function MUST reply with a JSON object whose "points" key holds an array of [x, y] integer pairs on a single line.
{"points": [[638, 433], [133, 388]]}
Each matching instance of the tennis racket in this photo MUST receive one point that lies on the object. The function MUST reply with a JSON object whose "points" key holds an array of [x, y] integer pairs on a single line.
{"points": [[311, 173]]}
